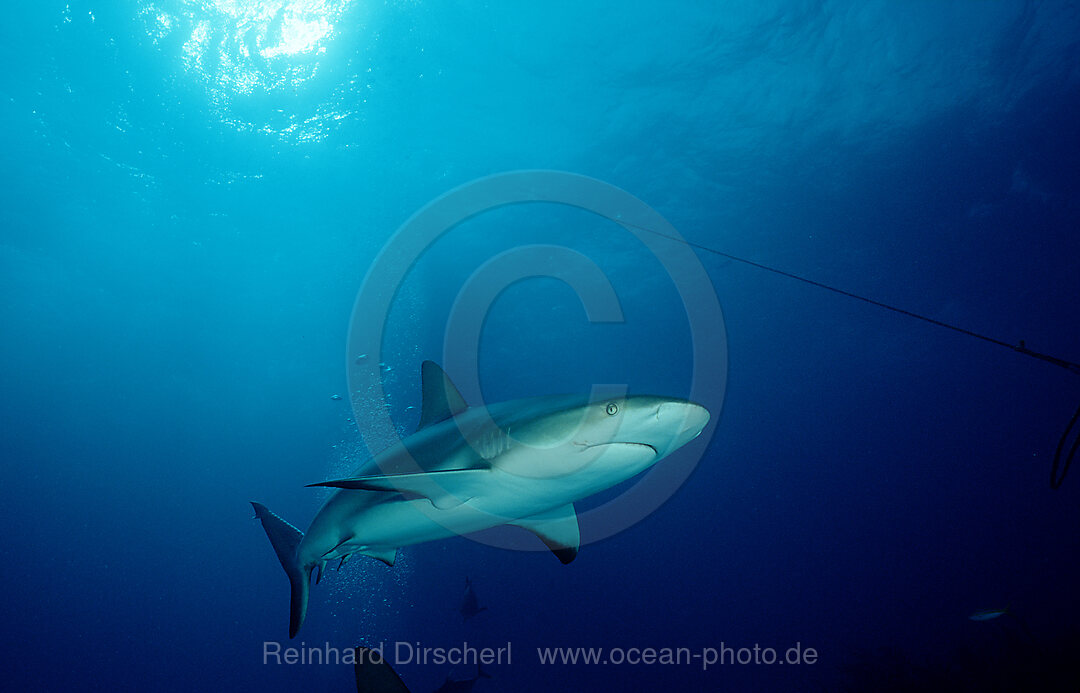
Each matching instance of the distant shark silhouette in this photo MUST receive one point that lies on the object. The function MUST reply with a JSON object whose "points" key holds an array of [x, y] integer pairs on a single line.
{"points": [[523, 462], [374, 675], [463, 685], [1000, 616], [470, 605]]}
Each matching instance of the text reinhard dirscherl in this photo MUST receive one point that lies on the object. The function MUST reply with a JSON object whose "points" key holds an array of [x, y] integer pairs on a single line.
{"points": [[401, 652]]}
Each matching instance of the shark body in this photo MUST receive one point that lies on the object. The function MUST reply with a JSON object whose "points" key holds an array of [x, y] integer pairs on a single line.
{"points": [[522, 462], [470, 604]]}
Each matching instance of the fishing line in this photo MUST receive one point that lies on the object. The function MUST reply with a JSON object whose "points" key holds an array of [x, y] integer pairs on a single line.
{"points": [[1063, 463], [1055, 479]]}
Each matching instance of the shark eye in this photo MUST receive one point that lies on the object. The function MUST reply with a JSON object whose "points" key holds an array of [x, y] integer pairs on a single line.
{"points": [[612, 409]]}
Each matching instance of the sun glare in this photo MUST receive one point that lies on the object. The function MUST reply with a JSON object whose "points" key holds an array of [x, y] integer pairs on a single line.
{"points": [[239, 48]]}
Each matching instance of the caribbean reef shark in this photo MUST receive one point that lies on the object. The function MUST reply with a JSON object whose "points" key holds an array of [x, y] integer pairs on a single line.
{"points": [[523, 462], [470, 604]]}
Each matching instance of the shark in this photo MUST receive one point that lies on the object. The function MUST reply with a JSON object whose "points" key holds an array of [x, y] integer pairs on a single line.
{"points": [[470, 604], [522, 462], [375, 675], [462, 685]]}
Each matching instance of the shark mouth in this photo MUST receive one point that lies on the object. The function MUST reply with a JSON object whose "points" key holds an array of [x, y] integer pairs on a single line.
{"points": [[639, 445]]}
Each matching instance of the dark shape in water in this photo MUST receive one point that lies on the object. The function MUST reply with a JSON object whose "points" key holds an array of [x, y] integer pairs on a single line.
{"points": [[993, 665], [463, 686], [988, 614], [470, 605], [374, 675], [1009, 614]]}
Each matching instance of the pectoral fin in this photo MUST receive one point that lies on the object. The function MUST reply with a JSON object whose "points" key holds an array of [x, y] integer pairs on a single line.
{"points": [[387, 556], [446, 489], [558, 529]]}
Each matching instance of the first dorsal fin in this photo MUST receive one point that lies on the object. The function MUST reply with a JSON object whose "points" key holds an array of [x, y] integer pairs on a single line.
{"points": [[440, 399]]}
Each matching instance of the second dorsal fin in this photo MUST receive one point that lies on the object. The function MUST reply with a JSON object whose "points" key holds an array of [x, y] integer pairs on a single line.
{"points": [[440, 399]]}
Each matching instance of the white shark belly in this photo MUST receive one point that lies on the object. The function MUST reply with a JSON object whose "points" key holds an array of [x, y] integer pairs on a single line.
{"points": [[407, 522]]}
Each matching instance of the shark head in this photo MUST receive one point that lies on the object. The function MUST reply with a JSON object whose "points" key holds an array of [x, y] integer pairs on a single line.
{"points": [[609, 440], [663, 423], [660, 423]]}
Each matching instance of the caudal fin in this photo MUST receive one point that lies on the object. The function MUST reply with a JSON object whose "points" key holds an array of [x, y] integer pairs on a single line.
{"points": [[285, 539]]}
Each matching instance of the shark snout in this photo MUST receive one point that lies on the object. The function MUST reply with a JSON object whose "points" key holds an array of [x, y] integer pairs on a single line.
{"points": [[684, 421], [687, 416]]}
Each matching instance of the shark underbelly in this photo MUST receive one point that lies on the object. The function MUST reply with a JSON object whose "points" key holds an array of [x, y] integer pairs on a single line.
{"points": [[402, 522]]}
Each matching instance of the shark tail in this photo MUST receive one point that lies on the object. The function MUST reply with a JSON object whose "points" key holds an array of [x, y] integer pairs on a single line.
{"points": [[285, 539]]}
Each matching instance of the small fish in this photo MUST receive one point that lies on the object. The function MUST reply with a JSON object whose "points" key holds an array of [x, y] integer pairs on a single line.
{"points": [[988, 614], [335, 397]]}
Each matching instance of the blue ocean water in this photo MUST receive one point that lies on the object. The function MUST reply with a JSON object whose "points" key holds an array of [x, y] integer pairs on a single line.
{"points": [[194, 191]]}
